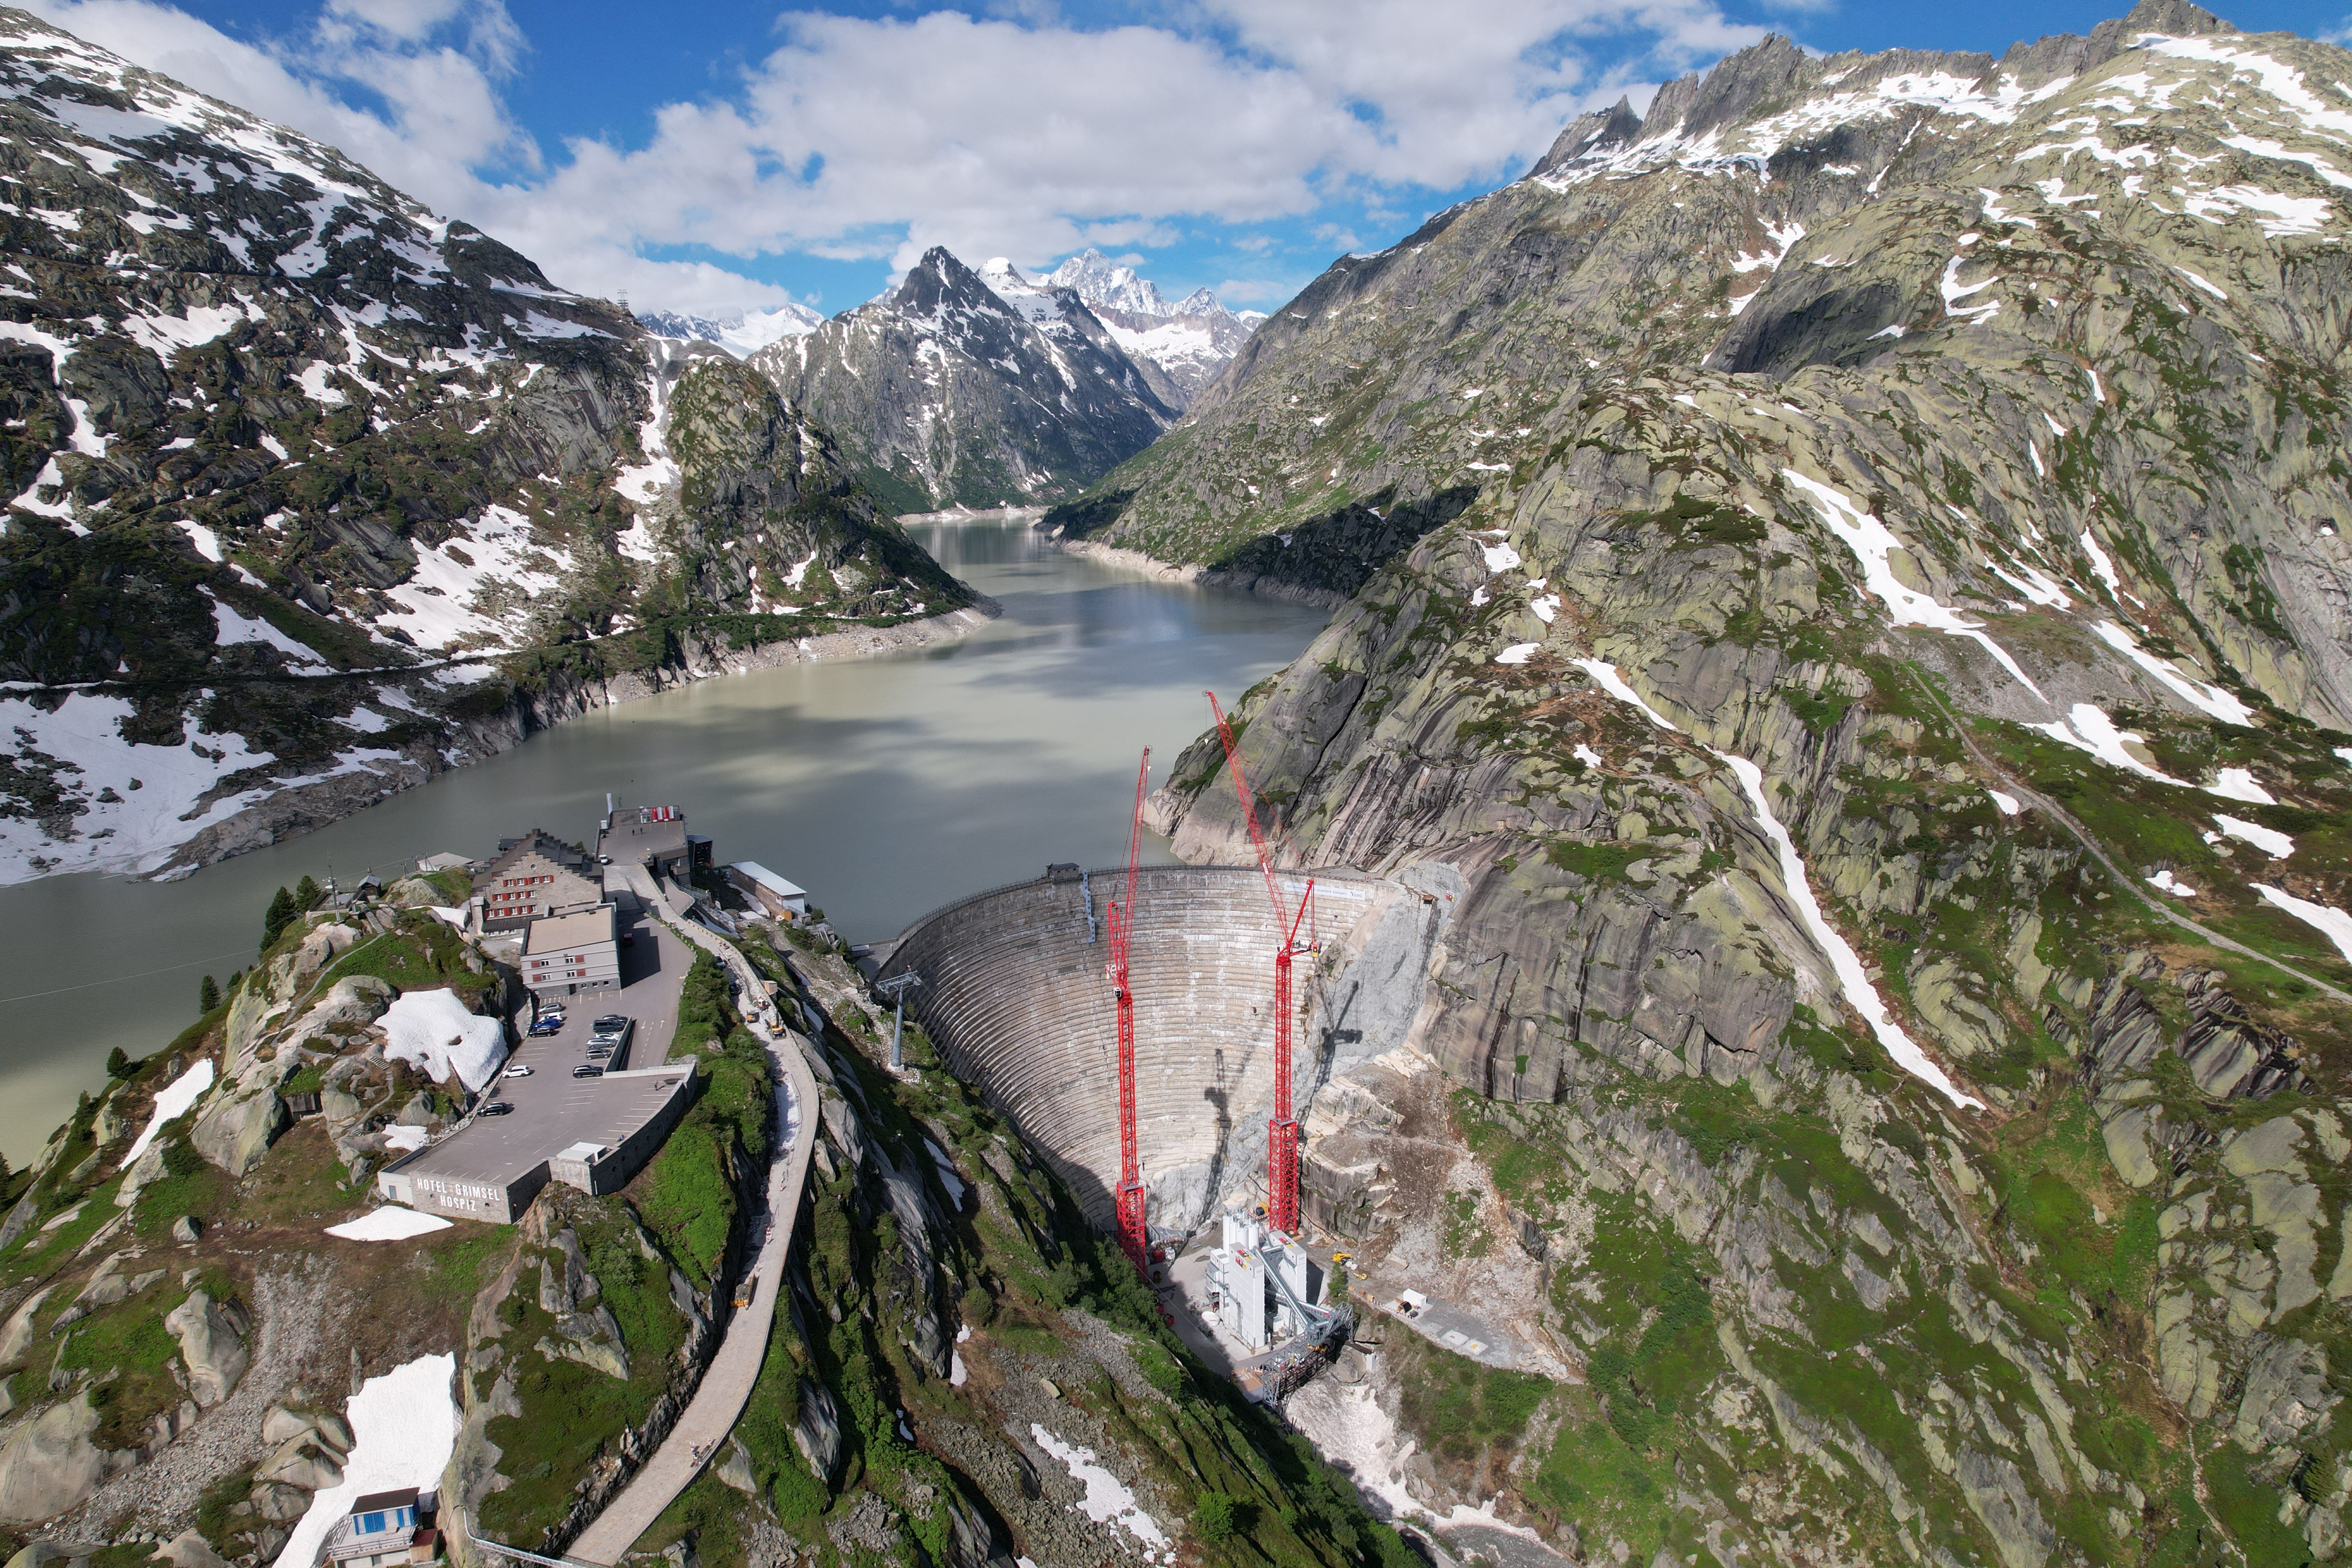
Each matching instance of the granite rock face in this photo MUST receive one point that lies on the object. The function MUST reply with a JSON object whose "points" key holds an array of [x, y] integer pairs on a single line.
{"points": [[1874, 725], [50, 1464], [212, 1346]]}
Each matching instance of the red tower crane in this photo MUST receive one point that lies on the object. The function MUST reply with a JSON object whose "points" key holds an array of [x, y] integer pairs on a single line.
{"points": [[1132, 1237], [1281, 1128]]}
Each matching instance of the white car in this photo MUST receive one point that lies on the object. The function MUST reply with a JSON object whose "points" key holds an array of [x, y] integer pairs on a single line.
{"points": [[518, 1071]]}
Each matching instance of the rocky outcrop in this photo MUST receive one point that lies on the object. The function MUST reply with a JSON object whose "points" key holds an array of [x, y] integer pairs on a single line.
{"points": [[212, 1346], [585, 1328], [49, 1464], [309, 1450], [190, 1550], [16, 1337], [818, 1433], [238, 1124], [572, 1323], [766, 516]]}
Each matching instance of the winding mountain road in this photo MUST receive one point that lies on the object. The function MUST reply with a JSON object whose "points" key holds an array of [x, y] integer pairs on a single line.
{"points": [[727, 1382]]}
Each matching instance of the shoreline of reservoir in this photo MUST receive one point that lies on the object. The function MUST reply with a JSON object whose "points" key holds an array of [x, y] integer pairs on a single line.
{"points": [[874, 781]]}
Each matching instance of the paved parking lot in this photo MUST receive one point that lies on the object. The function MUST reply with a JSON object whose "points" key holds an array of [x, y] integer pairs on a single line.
{"points": [[552, 1109]]}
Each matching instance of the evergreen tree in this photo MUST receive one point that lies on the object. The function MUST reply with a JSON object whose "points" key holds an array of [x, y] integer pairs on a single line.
{"points": [[119, 1063], [282, 910], [208, 994], [307, 893]]}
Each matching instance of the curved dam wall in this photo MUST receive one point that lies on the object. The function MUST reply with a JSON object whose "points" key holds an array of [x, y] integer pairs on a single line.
{"points": [[1017, 996]]}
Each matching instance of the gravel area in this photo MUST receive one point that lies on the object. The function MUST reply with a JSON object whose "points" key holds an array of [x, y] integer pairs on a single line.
{"points": [[295, 1312]]}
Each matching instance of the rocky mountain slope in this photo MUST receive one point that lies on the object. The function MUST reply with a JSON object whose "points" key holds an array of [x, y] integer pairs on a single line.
{"points": [[956, 390], [1188, 341], [291, 457], [1849, 626]]}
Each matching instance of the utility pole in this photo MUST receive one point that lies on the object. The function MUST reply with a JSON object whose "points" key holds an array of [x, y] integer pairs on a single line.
{"points": [[895, 989]]}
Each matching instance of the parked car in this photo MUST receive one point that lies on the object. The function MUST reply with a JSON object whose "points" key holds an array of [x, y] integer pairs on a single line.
{"points": [[610, 1024], [518, 1069], [598, 1053], [588, 1069], [612, 1039], [545, 1027], [494, 1108]]}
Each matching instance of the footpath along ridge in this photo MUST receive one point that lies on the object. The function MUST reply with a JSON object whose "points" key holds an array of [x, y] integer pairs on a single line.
{"points": [[727, 1382]]}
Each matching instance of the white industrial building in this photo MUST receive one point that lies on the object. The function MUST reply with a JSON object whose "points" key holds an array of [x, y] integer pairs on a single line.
{"points": [[1259, 1280]]}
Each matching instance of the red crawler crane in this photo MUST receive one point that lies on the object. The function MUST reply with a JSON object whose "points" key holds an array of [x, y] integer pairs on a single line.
{"points": [[1281, 1128], [1132, 1237]]}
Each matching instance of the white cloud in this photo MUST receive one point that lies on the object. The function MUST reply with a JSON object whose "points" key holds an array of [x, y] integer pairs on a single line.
{"points": [[1465, 87], [440, 117], [1235, 290], [1012, 134]]}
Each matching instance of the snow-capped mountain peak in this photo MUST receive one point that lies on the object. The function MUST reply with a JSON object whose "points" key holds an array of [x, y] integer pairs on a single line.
{"points": [[973, 386], [1100, 281], [740, 332], [1007, 282], [1184, 344]]}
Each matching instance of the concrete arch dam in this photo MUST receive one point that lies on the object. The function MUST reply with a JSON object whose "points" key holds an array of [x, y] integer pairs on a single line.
{"points": [[1015, 993]]}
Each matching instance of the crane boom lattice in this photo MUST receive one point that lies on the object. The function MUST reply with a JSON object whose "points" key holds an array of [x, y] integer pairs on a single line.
{"points": [[1281, 1128], [1133, 1237]]}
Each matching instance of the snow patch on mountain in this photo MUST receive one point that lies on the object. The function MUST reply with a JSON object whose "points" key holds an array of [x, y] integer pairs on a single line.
{"points": [[476, 589], [1007, 282], [1873, 542], [2330, 922], [1853, 978], [435, 1031], [232, 628], [162, 795], [740, 332]]}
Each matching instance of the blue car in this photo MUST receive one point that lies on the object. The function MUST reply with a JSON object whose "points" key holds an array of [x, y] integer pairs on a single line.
{"points": [[546, 1026]]}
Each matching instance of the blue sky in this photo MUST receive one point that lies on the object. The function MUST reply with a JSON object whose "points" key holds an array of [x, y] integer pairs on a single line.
{"points": [[728, 154]]}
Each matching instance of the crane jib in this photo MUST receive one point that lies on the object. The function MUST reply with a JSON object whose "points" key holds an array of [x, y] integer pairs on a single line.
{"points": [[1281, 1128]]}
